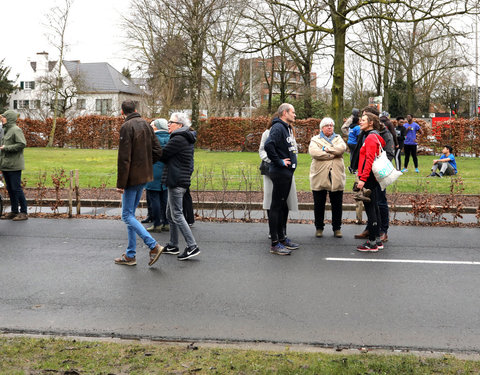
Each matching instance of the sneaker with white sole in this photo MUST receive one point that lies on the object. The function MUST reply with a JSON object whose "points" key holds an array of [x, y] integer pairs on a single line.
{"points": [[289, 244], [367, 247], [169, 249], [279, 249], [189, 252]]}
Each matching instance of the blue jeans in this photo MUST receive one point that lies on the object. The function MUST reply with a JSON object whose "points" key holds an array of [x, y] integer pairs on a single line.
{"points": [[13, 181], [176, 219], [158, 206], [130, 199]]}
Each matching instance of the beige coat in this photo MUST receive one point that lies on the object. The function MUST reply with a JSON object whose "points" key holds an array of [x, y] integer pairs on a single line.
{"points": [[327, 171]]}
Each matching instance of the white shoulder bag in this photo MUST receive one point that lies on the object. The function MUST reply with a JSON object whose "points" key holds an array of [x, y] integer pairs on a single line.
{"points": [[383, 170]]}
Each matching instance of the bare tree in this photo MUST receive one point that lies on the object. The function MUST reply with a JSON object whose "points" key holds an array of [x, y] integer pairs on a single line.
{"points": [[344, 14], [155, 21], [57, 20], [221, 37]]}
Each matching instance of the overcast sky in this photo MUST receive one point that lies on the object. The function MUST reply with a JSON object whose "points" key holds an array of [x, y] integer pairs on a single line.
{"points": [[94, 33]]}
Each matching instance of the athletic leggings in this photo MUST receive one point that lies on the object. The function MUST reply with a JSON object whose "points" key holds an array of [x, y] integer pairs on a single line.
{"points": [[277, 218], [410, 150], [398, 158]]}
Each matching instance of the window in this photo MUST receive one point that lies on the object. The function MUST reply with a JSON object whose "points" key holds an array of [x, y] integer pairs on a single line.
{"points": [[35, 104], [81, 104], [23, 104], [29, 85], [104, 106]]}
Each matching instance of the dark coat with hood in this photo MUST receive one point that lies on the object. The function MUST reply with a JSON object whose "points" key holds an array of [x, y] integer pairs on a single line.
{"points": [[280, 145], [178, 158], [11, 157], [388, 146], [138, 149]]}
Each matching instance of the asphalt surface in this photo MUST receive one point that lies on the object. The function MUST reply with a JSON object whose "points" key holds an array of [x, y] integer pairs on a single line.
{"points": [[58, 277]]}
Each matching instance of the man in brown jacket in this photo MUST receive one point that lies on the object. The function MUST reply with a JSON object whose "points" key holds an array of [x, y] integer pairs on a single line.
{"points": [[137, 151]]}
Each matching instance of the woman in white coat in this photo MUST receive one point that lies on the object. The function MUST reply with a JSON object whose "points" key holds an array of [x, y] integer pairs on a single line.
{"points": [[327, 174], [292, 200]]}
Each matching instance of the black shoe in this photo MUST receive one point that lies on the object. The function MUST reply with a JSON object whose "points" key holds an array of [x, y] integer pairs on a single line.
{"points": [[189, 252], [148, 219], [169, 249]]}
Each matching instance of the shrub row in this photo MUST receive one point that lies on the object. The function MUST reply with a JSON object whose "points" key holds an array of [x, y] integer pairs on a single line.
{"points": [[80, 132], [233, 134]]}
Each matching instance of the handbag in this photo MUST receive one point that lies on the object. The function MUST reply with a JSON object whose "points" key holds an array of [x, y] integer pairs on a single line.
{"points": [[264, 168], [383, 170]]}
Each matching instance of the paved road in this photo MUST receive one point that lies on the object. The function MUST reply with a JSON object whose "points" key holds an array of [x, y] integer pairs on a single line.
{"points": [[58, 276]]}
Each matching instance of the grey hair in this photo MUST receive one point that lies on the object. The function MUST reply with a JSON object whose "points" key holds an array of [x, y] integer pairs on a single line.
{"points": [[182, 118], [284, 107], [326, 121]]}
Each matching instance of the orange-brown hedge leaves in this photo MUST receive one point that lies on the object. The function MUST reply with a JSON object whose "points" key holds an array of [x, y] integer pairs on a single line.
{"points": [[233, 133]]}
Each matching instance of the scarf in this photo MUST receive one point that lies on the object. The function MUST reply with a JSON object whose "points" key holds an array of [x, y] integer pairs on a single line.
{"points": [[328, 139]]}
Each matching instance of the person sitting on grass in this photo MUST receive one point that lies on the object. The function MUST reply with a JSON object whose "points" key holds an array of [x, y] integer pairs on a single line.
{"points": [[446, 163]]}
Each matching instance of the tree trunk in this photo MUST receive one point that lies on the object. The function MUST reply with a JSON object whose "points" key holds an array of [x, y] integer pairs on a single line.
{"points": [[338, 72], [307, 92], [410, 93]]}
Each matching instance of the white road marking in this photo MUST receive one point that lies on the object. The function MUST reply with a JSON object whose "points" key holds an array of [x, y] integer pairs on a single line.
{"points": [[419, 261]]}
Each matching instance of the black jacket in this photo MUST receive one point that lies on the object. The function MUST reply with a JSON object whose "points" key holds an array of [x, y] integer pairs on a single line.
{"points": [[178, 158], [280, 145]]}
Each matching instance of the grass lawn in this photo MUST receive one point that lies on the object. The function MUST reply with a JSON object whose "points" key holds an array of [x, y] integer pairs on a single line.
{"points": [[48, 355], [229, 171]]}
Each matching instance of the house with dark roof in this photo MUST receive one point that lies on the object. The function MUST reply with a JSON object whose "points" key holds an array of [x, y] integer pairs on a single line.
{"points": [[85, 89]]}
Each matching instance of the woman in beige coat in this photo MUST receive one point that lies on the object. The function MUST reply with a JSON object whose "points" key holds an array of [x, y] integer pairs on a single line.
{"points": [[327, 174]]}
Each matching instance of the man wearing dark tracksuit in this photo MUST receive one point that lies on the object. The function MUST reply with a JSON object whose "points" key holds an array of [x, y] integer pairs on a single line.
{"points": [[281, 149]]}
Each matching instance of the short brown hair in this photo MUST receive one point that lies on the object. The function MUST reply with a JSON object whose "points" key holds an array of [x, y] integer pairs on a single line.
{"points": [[371, 109], [128, 106]]}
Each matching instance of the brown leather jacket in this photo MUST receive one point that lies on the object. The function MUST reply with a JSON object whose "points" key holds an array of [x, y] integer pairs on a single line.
{"points": [[138, 149]]}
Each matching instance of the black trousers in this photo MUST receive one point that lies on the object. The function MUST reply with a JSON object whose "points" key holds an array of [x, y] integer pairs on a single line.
{"points": [[372, 210], [277, 218], [188, 207], [319, 200], [410, 150], [13, 182]]}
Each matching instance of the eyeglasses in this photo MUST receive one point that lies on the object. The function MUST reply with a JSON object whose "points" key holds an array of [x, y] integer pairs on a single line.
{"points": [[175, 122]]}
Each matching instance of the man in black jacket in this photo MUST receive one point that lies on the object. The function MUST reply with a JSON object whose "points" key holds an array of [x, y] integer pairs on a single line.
{"points": [[281, 149], [178, 158]]}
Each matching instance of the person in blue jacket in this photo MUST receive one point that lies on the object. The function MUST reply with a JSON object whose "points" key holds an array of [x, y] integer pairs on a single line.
{"points": [[351, 128], [281, 149], [446, 163], [157, 193]]}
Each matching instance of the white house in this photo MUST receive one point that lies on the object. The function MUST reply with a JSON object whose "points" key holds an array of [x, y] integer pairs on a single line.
{"points": [[86, 89]]}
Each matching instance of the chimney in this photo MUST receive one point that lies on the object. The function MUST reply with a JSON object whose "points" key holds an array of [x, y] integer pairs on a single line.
{"points": [[42, 63]]}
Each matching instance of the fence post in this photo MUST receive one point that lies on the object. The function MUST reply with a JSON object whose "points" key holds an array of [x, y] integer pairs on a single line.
{"points": [[77, 191], [70, 188]]}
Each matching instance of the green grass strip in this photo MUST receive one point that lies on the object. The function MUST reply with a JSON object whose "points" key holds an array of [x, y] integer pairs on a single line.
{"points": [[48, 355], [232, 171]]}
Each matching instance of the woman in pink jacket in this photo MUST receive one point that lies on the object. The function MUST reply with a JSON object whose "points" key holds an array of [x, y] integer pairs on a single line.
{"points": [[370, 125]]}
